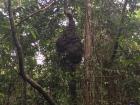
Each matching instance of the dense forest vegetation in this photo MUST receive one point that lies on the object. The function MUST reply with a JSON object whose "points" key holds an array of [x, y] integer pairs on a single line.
{"points": [[32, 71]]}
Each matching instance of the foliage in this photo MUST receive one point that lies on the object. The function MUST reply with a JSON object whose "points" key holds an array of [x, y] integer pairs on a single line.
{"points": [[38, 35]]}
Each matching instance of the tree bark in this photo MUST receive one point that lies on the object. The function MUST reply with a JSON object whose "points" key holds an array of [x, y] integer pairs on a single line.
{"points": [[88, 95]]}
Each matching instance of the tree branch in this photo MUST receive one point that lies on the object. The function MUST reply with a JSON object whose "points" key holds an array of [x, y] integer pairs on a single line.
{"points": [[40, 10], [19, 52], [116, 45]]}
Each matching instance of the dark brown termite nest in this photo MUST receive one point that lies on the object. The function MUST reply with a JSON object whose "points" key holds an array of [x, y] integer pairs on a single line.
{"points": [[69, 46]]}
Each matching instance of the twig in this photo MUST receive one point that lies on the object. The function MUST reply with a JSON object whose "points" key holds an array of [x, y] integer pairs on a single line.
{"points": [[40, 10], [19, 52]]}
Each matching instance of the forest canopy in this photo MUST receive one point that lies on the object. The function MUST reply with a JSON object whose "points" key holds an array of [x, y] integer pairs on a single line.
{"points": [[102, 52]]}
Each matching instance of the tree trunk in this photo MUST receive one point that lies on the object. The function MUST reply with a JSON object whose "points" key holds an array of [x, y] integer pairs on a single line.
{"points": [[88, 95]]}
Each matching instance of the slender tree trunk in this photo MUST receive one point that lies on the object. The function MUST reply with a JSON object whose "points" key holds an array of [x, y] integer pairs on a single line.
{"points": [[88, 95]]}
